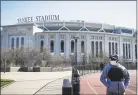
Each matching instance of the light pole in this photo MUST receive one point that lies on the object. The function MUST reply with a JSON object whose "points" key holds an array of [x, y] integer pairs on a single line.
{"points": [[5, 65], [76, 37], [75, 73]]}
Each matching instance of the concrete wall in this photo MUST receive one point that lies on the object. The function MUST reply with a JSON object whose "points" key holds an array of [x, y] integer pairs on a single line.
{"points": [[11, 69]]}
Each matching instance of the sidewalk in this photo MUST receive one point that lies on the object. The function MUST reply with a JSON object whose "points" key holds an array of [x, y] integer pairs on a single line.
{"points": [[32, 82]]}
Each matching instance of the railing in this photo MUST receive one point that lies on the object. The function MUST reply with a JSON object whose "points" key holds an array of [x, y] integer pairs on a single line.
{"points": [[93, 68], [87, 69], [130, 66]]}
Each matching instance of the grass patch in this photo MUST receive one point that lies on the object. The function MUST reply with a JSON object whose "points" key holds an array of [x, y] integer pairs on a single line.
{"points": [[5, 82]]}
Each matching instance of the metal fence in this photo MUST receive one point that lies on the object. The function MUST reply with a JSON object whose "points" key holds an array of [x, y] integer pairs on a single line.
{"points": [[87, 69], [130, 66], [93, 68]]}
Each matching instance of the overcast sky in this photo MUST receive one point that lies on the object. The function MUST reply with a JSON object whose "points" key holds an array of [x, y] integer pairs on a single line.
{"points": [[119, 13]]}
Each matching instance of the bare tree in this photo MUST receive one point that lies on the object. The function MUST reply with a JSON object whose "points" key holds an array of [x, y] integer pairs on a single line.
{"points": [[72, 60], [8, 58], [25, 57], [92, 59], [104, 58], [56, 61]]}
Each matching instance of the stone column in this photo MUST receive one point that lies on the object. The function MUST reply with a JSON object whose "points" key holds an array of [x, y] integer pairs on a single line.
{"points": [[67, 44], [94, 48], [120, 52], [78, 49], [87, 44], [133, 50], [57, 44], [106, 45]]}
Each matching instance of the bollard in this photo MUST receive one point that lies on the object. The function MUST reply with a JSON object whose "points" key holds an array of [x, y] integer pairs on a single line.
{"points": [[76, 83], [66, 88]]}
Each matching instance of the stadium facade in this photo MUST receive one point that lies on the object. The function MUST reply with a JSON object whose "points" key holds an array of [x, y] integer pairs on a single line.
{"points": [[58, 37]]}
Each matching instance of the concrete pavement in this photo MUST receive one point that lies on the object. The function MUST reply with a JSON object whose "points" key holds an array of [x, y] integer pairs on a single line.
{"points": [[53, 88], [34, 82]]}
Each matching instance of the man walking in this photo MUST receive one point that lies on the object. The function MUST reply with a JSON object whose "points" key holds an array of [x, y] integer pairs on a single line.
{"points": [[115, 77]]}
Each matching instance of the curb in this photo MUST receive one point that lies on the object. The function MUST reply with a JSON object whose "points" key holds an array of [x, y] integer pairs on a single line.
{"points": [[49, 83], [7, 85]]}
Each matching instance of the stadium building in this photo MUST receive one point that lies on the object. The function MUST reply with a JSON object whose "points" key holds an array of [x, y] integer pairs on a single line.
{"points": [[58, 37]]}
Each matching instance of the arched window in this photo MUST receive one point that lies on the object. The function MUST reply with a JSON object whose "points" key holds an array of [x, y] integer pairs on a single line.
{"points": [[126, 50], [41, 45], [129, 51], [101, 48], [123, 50], [109, 48], [135, 51], [116, 49], [72, 46], [113, 48], [22, 41], [96, 48], [62, 46], [17, 42], [52, 46], [92, 46], [82, 46], [12, 43]]}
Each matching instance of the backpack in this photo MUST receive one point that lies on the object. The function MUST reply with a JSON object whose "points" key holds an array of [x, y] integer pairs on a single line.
{"points": [[116, 74]]}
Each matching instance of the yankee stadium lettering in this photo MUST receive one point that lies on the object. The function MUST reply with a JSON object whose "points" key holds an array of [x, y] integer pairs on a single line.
{"points": [[38, 18]]}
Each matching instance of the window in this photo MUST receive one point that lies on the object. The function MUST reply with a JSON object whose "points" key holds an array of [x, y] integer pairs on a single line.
{"points": [[22, 41], [100, 48], [113, 38], [62, 46], [52, 46], [72, 46], [41, 45], [126, 31], [42, 36], [92, 37], [113, 48], [72, 36], [116, 49], [100, 37], [92, 48], [12, 43], [129, 51], [96, 48], [82, 46], [52, 36], [126, 50], [109, 48], [135, 51], [17, 42], [62, 36], [123, 50], [82, 37]]}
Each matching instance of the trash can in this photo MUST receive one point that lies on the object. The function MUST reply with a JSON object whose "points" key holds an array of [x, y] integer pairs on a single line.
{"points": [[66, 88]]}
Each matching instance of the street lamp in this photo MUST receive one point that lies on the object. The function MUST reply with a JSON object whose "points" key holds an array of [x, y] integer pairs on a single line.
{"points": [[75, 73], [76, 37], [5, 65]]}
